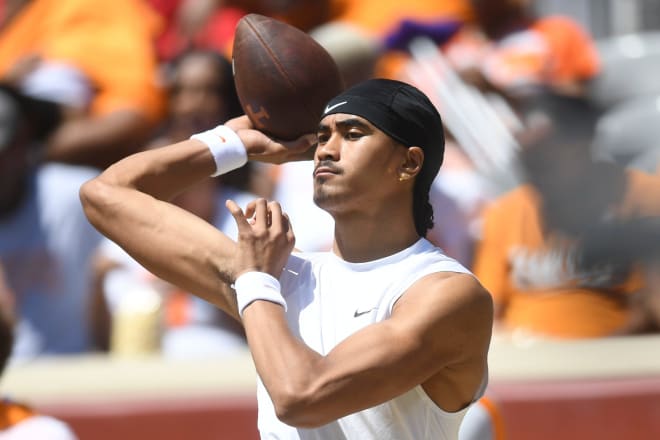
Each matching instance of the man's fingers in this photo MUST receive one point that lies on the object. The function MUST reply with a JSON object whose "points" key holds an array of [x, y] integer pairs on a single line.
{"points": [[261, 215], [277, 220], [289, 228], [250, 209], [237, 213]]}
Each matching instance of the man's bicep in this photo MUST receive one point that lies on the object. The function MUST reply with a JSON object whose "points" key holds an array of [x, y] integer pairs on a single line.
{"points": [[170, 242]]}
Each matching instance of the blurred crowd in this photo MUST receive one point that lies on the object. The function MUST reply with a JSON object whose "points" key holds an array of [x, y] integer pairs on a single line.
{"points": [[550, 190], [550, 193]]}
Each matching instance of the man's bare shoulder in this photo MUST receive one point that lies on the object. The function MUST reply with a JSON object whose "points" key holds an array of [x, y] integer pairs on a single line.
{"points": [[448, 302], [450, 288]]}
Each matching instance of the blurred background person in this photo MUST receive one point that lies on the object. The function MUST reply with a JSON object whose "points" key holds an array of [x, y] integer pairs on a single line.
{"points": [[361, 34], [210, 24], [107, 52], [45, 241], [509, 49], [531, 253], [474, 67], [201, 96], [19, 421]]}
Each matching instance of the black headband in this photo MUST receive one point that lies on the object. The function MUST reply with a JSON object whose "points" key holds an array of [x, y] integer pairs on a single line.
{"points": [[399, 110]]}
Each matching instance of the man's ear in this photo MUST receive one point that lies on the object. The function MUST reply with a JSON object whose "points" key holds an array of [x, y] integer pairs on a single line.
{"points": [[412, 164]]}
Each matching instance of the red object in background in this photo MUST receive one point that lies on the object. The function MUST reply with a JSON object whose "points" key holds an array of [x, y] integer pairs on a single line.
{"points": [[209, 418], [217, 34], [606, 409], [219, 31]]}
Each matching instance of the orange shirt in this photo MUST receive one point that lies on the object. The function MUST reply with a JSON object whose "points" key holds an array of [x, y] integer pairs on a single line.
{"points": [[531, 276], [111, 42], [554, 50], [12, 413], [378, 17]]}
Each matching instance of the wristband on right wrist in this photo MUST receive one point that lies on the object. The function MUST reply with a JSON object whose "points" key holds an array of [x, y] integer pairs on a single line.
{"points": [[226, 147], [253, 286]]}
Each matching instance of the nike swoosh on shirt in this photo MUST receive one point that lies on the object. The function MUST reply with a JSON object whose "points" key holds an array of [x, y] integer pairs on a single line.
{"points": [[363, 312], [333, 106]]}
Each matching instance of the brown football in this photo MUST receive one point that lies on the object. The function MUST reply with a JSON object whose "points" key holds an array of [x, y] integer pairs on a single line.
{"points": [[283, 77]]}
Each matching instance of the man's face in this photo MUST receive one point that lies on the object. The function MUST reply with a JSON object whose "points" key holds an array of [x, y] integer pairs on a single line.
{"points": [[196, 99], [356, 164]]}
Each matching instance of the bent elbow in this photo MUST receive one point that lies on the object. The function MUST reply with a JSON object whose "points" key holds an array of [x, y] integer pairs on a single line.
{"points": [[298, 411]]}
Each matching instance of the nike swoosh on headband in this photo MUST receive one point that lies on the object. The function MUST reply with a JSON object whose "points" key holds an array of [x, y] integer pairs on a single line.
{"points": [[333, 106]]}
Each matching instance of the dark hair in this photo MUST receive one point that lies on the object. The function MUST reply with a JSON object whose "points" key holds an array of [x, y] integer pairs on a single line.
{"points": [[422, 209], [42, 116], [227, 89]]}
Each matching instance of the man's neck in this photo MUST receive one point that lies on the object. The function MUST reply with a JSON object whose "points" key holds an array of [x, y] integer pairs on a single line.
{"points": [[368, 237]]}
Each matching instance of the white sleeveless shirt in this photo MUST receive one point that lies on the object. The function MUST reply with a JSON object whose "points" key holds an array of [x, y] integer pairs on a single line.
{"points": [[329, 299]]}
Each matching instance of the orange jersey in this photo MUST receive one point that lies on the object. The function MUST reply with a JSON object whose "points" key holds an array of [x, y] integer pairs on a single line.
{"points": [[378, 17], [12, 413], [533, 279], [553, 50], [110, 42]]}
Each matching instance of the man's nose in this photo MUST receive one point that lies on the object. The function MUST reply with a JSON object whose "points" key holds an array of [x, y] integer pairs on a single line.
{"points": [[329, 150]]}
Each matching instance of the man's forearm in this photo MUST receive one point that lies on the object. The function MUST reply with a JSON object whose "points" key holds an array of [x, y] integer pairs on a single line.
{"points": [[163, 172], [284, 363]]}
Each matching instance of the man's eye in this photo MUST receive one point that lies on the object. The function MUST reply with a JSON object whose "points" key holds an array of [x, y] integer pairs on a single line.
{"points": [[322, 138], [354, 135]]}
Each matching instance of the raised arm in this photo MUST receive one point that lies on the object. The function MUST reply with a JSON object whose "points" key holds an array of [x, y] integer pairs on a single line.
{"points": [[128, 204]]}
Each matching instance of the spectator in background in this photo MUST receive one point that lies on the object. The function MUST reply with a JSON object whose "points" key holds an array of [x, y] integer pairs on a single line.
{"points": [[201, 96], [501, 52], [18, 421], [107, 50], [538, 255], [357, 35], [210, 24], [380, 17], [45, 240], [508, 49]]}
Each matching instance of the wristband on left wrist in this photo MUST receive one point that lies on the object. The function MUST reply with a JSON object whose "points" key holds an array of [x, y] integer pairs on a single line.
{"points": [[228, 150], [253, 286]]}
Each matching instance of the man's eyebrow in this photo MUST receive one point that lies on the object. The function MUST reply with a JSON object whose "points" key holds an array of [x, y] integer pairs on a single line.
{"points": [[347, 123]]}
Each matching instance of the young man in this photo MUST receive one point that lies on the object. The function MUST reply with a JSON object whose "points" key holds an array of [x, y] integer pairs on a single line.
{"points": [[382, 338]]}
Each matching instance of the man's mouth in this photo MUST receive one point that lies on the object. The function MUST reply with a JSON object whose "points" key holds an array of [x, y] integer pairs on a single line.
{"points": [[322, 169]]}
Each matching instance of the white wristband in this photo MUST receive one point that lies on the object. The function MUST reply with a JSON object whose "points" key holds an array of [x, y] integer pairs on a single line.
{"points": [[226, 147], [253, 286]]}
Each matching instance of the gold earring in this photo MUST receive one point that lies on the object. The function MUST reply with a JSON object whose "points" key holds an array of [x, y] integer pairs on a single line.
{"points": [[403, 177]]}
